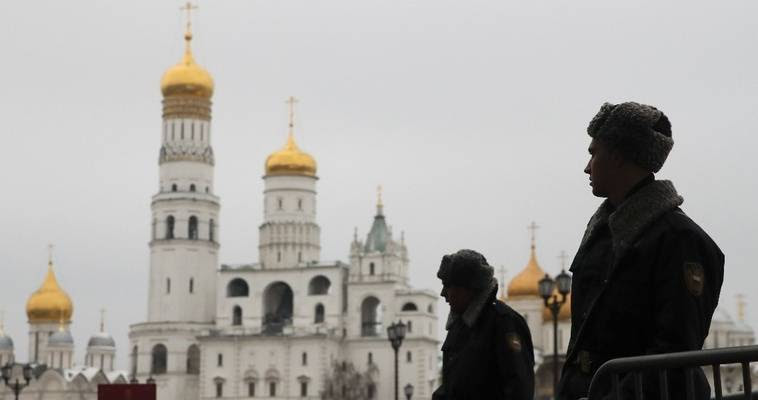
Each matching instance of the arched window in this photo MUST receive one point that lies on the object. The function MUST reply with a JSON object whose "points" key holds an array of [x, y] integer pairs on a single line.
{"points": [[220, 360], [409, 356], [170, 227], [277, 307], [370, 358], [211, 229], [272, 389], [430, 309], [319, 314], [371, 268], [280, 203], [371, 324], [251, 389], [159, 359], [237, 287], [319, 285], [134, 361], [219, 389], [192, 187], [304, 358], [192, 228], [279, 256], [299, 204], [237, 316], [192, 285], [409, 307], [193, 360], [168, 285], [174, 188]]}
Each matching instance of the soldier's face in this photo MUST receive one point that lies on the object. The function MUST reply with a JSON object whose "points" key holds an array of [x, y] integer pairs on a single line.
{"points": [[458, 297], [602, 168]]}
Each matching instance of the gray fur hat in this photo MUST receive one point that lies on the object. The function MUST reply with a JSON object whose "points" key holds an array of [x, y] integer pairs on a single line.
{"points": [[641, 133], [465, 268]]}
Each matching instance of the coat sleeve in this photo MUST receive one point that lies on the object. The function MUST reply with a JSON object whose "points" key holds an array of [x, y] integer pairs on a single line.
{"points": [[515, 359]]}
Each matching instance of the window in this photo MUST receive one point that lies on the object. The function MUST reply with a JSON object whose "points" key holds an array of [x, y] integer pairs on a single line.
{"points": [[237, 287], [272, 389], [251, 389], [299, 256], [192, 187], [152, 233], [371, 318], [173, 125], [408, 356], [371, 268], [207, 189], [192, 228], [134, 361], [410, 326], [159, 359], [303, 389], [220, 360], [304, 358], [170, 227], [181, 133], [318, 314], [278, 256], [371, 390], [299, 204], [211, 227], [192, 285], [192, 131], [370, 358], [319, 285], [202, 131], [430, 309], [409, 307], [174, 188], [219, 389], [280, 203], [168, 285], [193, 360], [237, 316]]}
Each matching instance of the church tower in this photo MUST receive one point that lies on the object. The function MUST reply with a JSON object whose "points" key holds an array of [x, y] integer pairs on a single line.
{"points": [[289, 235], [184, 243]]}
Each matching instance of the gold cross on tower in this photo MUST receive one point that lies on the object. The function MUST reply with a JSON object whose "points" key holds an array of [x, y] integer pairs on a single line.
{"points": [[102, 320], [563, 257], [533, 229], [188, 8], [50, 253], [291, 102]]}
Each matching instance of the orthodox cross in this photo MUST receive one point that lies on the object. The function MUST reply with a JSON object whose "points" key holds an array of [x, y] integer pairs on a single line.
{"points": [[291, 102], [50, 253], [563, 257], [102, 320], [188, 8], [533, 229]]}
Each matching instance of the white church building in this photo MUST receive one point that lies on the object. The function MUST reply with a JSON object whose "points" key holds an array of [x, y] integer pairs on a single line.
{"points": [[275, 327]]}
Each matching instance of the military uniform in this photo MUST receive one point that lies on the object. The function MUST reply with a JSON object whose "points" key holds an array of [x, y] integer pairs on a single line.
{"points": [[491, 359], [646, 280]]}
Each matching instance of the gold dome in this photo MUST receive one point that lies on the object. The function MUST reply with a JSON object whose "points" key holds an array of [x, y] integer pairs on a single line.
{"points": [[187, 78], [290, 160], [49, 303], [564, 314], [527, 281]]}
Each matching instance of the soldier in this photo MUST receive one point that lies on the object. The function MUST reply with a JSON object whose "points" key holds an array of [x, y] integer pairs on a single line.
{"points": [[488, 352], [646, 278]]}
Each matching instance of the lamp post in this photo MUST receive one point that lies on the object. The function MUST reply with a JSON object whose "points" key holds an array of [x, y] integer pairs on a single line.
{"points": [[17, 386], [396, 334], [408, 389], [553, 302]]}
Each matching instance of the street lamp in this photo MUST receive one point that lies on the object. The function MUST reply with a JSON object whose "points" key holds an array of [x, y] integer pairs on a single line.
{"points": [[396, 334], [408, 389], [17, 386], [547, 288]]}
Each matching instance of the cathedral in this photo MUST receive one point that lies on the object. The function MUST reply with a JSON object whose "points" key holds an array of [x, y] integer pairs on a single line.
{"points": [[53, 369], [277, 326]]}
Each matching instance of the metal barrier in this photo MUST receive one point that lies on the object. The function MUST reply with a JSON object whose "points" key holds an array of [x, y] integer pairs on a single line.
{"points": [[685, 360]]}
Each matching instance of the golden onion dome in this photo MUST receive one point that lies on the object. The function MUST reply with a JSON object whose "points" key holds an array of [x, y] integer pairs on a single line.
{"points": [[527, 281], [290, 160], [49, 303], [564, 314], [187, 78]]}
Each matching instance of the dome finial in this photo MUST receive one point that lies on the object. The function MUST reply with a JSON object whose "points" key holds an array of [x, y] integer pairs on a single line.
{"points": [[379, 202], [533, 230], [102, 320], [188, 31], [291, 101], [50, 254]]}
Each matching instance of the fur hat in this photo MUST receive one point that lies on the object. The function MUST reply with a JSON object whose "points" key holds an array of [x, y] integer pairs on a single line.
{"points": [[465, 268], [641, 133]]}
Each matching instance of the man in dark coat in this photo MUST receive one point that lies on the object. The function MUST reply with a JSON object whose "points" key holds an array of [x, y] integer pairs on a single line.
{"points": [[646, 278], [488, 353]]}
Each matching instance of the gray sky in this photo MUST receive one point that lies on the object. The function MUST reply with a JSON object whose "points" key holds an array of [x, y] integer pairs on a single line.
{"points": [[471, 114]]}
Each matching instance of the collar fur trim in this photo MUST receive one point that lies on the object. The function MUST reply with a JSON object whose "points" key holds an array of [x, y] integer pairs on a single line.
{"points": [[471, 314], [635, 214]]}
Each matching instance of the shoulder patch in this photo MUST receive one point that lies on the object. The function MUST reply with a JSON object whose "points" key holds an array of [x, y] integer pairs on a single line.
{"points": [[514, 341], [694, 278]]}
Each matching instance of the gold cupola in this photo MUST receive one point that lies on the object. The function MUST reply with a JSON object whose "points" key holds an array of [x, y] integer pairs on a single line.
{"points": [[49, 304], [527, 281], [290, 160], [187, 78]]}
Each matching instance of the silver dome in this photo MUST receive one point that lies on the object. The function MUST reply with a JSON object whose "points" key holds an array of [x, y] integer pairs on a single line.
{"points": [[61, 338], [101, 339], [6, 343]]}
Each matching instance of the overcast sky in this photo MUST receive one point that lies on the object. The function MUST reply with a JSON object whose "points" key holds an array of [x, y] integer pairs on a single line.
{"points": [[472, 115]]}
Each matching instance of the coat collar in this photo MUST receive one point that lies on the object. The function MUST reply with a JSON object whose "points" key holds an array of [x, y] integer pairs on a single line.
{"points": [[635, 214], [474, 309]]}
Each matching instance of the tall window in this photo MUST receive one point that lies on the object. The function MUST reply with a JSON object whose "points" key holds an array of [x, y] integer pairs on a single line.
{"points": [[181, 133], [220, 360], [251, 389], [219, 389], [134, 361], [237, 316], [408, 356], [299, 204], [371, 317], [410, 326], [159, 359], [174, 188], [303, 389], [370, 358], [168, 285], [170, 227], [155, 226], [237, 287], [192, 187], [371, 268], [319, 314], [279, 256], [192, 228], [280, 203], [193, 360], [211, 227], [304, 358], [192, 285], [272, 389]]}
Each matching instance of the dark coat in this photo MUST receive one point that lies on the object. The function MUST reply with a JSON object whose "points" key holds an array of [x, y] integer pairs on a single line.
{"points": [[491, 360], [646, 280]]}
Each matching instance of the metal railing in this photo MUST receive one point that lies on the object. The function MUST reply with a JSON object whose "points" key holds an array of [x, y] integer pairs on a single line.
{"points": [[662, 363]]}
